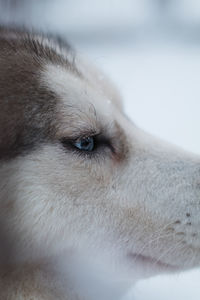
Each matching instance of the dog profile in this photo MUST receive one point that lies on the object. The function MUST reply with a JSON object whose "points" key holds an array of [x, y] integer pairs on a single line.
{"points": [[89, 203]]}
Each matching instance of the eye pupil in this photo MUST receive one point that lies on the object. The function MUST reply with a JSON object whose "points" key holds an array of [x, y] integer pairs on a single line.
{"points": [[85, 144]]}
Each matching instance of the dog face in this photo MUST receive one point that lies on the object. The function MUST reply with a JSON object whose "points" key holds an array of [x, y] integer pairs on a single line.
{"points": [[77, 175]]}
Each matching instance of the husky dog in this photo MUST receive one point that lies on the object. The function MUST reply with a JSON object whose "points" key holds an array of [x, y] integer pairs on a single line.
{"points": [[89, 203]]}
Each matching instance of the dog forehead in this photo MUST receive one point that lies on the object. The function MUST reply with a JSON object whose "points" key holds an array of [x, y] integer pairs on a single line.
{"points": [[76, 92]]}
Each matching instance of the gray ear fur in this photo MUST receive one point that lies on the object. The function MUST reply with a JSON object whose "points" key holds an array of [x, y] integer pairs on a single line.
{"points": [[27, 109]]}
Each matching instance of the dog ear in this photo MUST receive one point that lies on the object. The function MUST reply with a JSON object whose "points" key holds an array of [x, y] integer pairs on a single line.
{"points": [[12, 82], [22, 101]]}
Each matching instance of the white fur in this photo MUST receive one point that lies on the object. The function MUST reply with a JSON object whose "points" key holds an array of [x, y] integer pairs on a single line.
{"points": [[97, 222]]}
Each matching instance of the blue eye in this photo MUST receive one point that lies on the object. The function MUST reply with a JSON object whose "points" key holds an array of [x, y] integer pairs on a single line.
{"points": [[88, 144], [85, 144]]}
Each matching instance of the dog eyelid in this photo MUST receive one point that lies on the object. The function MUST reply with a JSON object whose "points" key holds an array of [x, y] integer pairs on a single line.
{"points": [[87, 144]]}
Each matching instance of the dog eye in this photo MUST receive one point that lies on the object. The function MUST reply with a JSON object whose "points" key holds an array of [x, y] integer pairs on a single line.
{"points": [[85, 144], [88, 144]]}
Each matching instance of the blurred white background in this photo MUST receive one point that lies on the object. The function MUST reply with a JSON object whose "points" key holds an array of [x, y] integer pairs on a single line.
{"points": [[151, 50]]}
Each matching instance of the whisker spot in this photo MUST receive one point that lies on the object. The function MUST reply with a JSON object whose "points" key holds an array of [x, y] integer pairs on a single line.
{"points": [[177, 222], [189, 223]]}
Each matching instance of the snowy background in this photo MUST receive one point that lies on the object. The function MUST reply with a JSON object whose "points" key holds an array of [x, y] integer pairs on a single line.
{"points": [[151, 50]]}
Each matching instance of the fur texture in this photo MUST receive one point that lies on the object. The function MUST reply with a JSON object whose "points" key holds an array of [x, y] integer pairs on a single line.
{"points": [[78, 224]]}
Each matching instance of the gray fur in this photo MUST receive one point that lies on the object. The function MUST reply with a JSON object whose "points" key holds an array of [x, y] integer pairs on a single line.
{"points": [[27, 108]]}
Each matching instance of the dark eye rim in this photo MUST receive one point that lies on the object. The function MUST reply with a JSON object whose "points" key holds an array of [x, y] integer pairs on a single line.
{"points": [[100, 142]]}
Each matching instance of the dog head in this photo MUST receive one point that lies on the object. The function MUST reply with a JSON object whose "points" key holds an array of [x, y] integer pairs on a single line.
{"points": [[77, 175]]}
